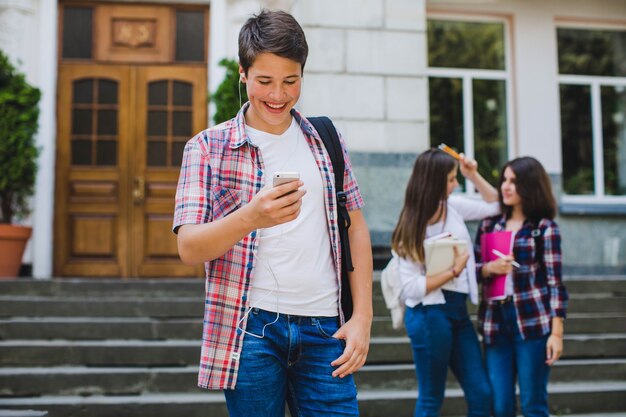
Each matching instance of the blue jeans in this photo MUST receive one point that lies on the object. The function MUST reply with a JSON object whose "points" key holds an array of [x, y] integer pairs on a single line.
{"points": [[291, 363], [509, 356], [442, 336]]}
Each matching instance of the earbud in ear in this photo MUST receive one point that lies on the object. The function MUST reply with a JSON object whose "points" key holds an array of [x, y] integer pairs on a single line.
{"points": [[242, 79]]}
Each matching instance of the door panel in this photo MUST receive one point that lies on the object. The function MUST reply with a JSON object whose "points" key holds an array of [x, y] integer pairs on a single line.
{"points": [[119, 150], [91, 187], [171, 107]]}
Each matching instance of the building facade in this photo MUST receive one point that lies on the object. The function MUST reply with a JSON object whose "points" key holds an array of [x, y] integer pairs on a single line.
{"points": [[125, 83]]}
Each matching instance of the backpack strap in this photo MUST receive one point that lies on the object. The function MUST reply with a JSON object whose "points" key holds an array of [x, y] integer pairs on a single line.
{"points": [[328, 134], [537, 234]]}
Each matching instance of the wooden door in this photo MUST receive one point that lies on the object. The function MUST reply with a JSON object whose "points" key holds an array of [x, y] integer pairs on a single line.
{"points": [[92, 187], [121, 134], [131, 91], [170, 108]]}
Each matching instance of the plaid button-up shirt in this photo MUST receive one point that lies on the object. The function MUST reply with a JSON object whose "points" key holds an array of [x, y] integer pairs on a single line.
{"points": [[222, 171], [539, 293]]}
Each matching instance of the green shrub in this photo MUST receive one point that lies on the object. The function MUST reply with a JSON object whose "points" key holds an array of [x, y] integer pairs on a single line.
{"points": [[226, 97], [19, 113]]}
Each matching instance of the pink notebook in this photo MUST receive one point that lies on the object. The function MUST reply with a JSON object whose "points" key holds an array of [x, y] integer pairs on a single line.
{"points": [[494, 288]]}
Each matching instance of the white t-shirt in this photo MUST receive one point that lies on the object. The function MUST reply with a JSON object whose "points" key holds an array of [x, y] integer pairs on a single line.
{"points": [[412, 274], [294, 272]]}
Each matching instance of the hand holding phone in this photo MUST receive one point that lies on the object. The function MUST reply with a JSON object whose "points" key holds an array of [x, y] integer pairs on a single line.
{"points": [[283, 177]]}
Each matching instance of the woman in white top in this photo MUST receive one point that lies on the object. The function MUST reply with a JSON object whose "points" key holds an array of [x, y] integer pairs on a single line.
{"points": [[436, 316]]}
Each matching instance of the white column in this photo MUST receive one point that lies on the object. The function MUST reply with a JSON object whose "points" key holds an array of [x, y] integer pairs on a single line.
{"points": [[217, 48], [43, 201]]}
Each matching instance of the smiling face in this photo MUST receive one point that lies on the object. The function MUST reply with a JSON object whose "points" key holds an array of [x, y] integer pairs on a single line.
{"points": [[273, 84], [510, 197]]}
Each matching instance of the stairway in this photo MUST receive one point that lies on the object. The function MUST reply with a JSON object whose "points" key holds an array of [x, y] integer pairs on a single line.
{"points": [[130, 348]]}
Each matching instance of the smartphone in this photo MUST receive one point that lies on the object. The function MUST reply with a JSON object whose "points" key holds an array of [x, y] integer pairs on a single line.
{"points": [[283, 177]]}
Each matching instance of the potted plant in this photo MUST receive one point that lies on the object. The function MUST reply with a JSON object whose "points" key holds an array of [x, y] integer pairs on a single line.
{"points": [[230, 94], [19, 113]]}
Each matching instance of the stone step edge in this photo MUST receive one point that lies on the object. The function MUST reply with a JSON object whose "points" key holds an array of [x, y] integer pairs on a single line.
{"points": [[193, 342], [205, 398], [14, 371], [146, 320]]}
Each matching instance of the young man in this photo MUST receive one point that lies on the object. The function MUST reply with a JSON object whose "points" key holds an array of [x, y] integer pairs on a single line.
{"points": [[273, 327]]}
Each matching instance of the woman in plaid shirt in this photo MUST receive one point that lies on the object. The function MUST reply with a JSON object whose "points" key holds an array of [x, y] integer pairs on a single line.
{"points": [[523, 333]]}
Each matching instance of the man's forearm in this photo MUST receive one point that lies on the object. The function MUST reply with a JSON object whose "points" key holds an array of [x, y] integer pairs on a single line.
{"points": [[199, 243]]}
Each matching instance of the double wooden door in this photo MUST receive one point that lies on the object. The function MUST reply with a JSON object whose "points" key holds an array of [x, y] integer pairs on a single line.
{"points": [[121, 134]]}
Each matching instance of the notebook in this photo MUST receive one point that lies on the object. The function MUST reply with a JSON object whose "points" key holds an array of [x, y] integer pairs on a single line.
{"points": [[439, 252], [494, 288]]}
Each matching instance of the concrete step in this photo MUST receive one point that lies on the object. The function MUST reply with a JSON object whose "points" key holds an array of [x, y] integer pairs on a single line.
{"points": [[565, 398], [84, 381], [388, 350], [105, 305], [190, 287], [591, 303], [588, 323], [383, 350], [31, 306], [94, 328], [65, 287], [402, 376], [614, 285]]}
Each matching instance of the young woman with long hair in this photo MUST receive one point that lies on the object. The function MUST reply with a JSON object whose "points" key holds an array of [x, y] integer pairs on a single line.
{"points": [[523, 333], [436, 315]]}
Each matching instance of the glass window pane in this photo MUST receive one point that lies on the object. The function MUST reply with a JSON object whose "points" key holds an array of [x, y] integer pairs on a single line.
{"points": [[107, 122], [77, 32], [157, 123], [454, 44], [490, 127], [614, 139], [177, 153], [190, 35], [592, 52], [181, 123], [182, 94], [83, 91], [107, 92], [82, 123], [157, 154], [446, 112], [157, 93], [106, 152], [576, 139], [81, 152]]}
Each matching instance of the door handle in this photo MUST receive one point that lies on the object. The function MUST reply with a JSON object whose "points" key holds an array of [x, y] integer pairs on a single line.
{"points": [[139, 190]]}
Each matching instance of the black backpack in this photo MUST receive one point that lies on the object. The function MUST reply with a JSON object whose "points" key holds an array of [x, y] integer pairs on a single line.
{"points": [[328, 133]]}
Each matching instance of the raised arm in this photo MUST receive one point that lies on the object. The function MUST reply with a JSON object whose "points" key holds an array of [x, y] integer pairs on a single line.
{"points": [[469, 169]]}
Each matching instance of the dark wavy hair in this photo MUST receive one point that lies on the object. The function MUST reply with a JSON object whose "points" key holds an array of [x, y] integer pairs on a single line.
{"points": [[533, 185], [425, 192], [276, 32]]}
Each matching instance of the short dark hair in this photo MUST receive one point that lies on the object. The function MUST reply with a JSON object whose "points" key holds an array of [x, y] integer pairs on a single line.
{"points": [[533, 185], [276, 32]]}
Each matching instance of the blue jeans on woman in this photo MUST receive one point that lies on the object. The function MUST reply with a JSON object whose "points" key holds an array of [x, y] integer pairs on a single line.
{"points": [[291, 363], [509, 356], [442, 336]]}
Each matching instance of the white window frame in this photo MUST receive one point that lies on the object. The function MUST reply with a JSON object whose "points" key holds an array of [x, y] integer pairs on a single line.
{"points": [[595, 83], [467, 75]]}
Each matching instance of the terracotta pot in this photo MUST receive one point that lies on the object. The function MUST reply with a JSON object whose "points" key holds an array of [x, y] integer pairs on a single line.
{"points": [[12, 244]]}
